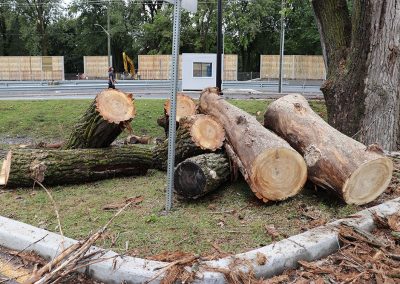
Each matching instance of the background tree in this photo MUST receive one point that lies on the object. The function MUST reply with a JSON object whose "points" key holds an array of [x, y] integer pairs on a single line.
{"points": [[362, 48]]}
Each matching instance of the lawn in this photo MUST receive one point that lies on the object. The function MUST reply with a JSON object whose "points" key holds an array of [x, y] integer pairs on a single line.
{"points": [[231, 218]]}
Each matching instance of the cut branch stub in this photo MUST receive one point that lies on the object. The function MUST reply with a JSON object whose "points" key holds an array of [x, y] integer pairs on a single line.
{"points": [[273, 169], [358, 174], [185, 106], [204, 130], [196, 135], [108, 115]]}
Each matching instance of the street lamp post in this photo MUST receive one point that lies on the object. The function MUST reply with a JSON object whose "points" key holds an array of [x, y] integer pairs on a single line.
{"points": [[219, 47], [108, 39], [281, 47]]}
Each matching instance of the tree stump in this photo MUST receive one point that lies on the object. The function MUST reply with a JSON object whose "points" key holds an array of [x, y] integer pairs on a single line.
{"points": [[273, 169], [51, 167], [196, 135], [108, 115], [200, 175], [358, 174], [185, 107]]}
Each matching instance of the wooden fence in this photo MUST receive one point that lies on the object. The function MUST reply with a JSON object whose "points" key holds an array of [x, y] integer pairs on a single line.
{"points": [[294, 67], [157, 67], [95, 67], [26, 68]]}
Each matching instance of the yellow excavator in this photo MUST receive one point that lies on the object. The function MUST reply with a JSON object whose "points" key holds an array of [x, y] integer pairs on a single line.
{"points": [[128, 61]]}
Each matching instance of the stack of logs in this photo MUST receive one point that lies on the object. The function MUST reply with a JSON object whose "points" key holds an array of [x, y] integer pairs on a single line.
{"points": [[215, 140]]}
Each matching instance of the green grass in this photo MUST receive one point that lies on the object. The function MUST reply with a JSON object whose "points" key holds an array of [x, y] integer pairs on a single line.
{"points": [[231, 217]]}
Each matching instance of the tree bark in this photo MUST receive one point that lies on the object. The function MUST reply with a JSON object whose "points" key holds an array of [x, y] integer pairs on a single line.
{"points": [[108, 115], [51, 167], [197, 134], [358, 174], [362, 89], [271, 167], [197, 176]]}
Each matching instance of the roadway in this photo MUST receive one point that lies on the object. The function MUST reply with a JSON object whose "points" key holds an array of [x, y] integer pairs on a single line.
{"points": [[155, 89]]}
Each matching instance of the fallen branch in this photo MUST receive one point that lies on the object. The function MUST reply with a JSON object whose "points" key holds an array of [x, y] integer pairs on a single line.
{"points": [[54, 205], [70, 259]]}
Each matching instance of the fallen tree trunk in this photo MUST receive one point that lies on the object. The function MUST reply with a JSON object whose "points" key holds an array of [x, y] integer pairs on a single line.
{"points": [[185, 107], [196, 135], [273, 170], [201, 174], [358, 174], [23, 166], [108, 115]]}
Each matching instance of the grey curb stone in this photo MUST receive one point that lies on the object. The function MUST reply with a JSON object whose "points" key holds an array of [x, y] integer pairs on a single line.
{"points": [[310, 245]]}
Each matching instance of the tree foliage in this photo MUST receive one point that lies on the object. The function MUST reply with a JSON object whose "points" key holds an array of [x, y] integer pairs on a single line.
{"points": [[251, 28]]}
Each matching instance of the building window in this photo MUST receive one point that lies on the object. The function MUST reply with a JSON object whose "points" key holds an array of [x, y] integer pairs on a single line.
{"points": [[202, 69]]}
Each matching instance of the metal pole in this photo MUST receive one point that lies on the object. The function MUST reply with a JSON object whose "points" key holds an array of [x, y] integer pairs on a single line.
{"points": [[173, 91], [108, 36], [219, 46], [282, 46]]}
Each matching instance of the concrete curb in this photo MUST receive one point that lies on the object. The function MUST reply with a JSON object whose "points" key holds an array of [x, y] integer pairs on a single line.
{"points": [[311, 245]]}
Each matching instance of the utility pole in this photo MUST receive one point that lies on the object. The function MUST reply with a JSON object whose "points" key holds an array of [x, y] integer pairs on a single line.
{"points": [[109, 36], [219, 47], [282, 46]]}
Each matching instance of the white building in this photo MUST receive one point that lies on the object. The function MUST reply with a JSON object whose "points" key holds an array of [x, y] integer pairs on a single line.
{"points": [[199, 70]]}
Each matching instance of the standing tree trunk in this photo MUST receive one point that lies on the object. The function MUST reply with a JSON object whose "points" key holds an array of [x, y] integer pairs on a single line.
{"points": [[200, 175], [196, 134], [108, 115], [358, 174], [273, 169], [22, 166], [362, 52]]}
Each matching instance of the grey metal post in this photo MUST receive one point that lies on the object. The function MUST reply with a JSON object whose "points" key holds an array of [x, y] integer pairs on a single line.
{"points": [[173, 91], [108, 36], [282, 46]]}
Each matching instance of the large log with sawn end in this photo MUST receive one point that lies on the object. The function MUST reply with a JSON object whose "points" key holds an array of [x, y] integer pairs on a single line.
{"points": [[108, 115], [273, 169], [197, 134], [201, 174], [51, 167], [358, 174]]}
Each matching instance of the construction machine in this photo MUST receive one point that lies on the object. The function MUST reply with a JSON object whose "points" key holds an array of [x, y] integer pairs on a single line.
{"points": [[128, 61]]}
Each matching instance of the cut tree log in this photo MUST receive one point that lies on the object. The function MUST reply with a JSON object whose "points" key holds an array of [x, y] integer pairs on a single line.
{"points": [[185, 107], [201, 174], [22, 166], [273, 169], [358, 174], [134, 139], [197, 134], [108, 115]]}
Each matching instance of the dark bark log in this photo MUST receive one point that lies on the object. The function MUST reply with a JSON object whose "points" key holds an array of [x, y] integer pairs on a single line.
{"points": [[23, 166], [362, 90], [197, 176], [108, 115], [358, 174], [197, 134], [273, 169]]}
